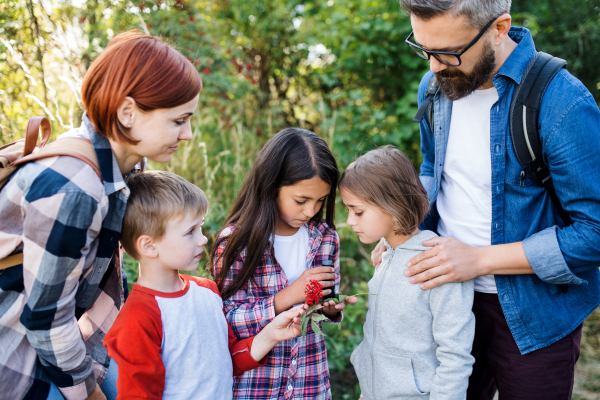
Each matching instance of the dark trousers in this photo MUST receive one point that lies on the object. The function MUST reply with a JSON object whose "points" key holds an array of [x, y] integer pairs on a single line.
{"points": [[544, 374]]}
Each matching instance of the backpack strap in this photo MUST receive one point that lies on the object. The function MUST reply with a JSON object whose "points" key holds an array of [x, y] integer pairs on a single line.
{"points": [[33, 131], [76, 147], [524, 114], [427, 104], [11, 261]]}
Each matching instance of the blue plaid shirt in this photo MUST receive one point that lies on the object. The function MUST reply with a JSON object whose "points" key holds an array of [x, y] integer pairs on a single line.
{"points": [[57, 306]]}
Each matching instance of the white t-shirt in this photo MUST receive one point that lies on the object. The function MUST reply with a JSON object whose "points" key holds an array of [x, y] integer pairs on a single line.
{"points": [[464, 201], [291, 253]]}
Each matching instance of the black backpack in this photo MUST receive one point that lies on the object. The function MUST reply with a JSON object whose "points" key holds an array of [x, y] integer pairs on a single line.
{"points": [[523, 119]]}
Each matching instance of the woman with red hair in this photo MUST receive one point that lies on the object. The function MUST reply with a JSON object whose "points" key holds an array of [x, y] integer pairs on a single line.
{"points": [[56, 307]]}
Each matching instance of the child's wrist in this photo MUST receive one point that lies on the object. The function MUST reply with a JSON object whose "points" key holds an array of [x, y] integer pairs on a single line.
{"points": [[269, 336]]}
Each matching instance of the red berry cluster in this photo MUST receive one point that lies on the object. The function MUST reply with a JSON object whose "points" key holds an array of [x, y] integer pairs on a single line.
{"points": [[313, 292]]}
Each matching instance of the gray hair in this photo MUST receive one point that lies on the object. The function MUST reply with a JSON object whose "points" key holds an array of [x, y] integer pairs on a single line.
{"points": [[477, 12]]}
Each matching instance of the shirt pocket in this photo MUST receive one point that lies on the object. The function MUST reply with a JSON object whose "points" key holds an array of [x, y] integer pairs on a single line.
{"points": [[394, 377]]}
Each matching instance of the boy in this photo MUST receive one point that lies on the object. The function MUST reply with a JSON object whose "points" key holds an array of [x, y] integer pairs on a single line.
{"points": [[171, 339]]}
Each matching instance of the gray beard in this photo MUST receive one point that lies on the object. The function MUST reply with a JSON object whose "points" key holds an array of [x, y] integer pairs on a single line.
{"points": [[463, 85]]}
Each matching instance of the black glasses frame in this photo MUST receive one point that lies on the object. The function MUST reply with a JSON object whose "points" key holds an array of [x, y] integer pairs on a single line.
{"points": [[420, 51]]}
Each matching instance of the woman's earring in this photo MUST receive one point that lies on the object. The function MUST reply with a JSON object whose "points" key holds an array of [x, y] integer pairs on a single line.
{"points": [[129, 126]]}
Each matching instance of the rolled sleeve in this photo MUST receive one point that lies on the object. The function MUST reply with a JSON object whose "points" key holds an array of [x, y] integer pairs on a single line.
{"points": [[557, 254], [545, 257]]}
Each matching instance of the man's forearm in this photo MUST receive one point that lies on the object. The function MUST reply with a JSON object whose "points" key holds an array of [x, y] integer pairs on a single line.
{"points": [[450, 260], [504, 259]]}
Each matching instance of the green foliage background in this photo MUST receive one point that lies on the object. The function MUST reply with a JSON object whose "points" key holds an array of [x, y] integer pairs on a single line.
{"points": [[338, 68]]}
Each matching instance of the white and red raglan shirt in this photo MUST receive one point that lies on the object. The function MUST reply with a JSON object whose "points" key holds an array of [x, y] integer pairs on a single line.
{"points": [[177, 345]]}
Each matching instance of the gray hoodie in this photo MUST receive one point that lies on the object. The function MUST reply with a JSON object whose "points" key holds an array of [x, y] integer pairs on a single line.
{"points": [[417, 342]]}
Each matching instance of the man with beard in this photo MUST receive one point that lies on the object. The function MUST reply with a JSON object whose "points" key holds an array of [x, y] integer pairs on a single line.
{"points": [[495, 225]]}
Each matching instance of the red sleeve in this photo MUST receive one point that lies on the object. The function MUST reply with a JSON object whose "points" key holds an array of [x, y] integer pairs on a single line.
{"points": [[134, 342], [239, 349], [240, 353]]}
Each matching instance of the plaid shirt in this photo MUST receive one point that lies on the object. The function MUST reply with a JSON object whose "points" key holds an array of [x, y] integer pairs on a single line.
{"points": [[56, 307], [295, 368]]}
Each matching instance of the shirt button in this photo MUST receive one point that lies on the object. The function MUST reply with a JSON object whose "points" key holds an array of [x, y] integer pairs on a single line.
{"points": [[290, 387], [506, 297], [497, 148], [294, 361], [496, 225]]}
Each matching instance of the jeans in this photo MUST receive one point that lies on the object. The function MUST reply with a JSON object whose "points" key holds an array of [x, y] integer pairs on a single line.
{"points": [[108, 387]]}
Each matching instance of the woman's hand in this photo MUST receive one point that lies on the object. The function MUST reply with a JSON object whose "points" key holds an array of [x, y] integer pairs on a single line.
{"points": [[294, 293], [377, 253], [332, 310], [285, 326]]}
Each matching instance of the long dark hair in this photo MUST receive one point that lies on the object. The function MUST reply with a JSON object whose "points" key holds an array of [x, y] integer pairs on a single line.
{"points": [[290, 156]]}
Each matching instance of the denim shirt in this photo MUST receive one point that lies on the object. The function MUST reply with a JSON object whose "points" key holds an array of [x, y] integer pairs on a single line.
{"points": [[536, 309]]}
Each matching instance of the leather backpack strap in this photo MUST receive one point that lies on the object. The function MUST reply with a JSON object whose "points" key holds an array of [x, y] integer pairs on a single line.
{"points": [[33, 131], [75, 147], [11, 261]]}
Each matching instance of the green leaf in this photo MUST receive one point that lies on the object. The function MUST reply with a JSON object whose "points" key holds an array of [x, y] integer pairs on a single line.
{"points": [[316, 328], [304, 323], [341, 297], [314, 307], [319, 317]]}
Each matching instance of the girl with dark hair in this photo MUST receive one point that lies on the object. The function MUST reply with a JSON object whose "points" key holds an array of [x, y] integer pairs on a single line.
{"points": [[276, 239]]}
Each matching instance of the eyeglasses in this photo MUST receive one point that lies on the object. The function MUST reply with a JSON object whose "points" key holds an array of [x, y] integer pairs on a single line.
{"points": [[449, 58]]}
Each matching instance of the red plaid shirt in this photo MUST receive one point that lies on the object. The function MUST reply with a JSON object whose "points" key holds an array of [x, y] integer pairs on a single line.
{"points": [[295, 368]]}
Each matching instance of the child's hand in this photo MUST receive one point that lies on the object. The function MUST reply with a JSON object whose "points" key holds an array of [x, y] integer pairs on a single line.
{"points": [[331, 310], [285, 326], [294, 293]]}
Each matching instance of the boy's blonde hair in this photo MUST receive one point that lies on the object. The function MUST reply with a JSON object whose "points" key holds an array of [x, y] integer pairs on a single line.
{"points": [[386, 178], [157, 197]]}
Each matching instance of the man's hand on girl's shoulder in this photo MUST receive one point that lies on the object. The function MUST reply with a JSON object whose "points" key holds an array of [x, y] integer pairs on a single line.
{"points": [[448, 260]]}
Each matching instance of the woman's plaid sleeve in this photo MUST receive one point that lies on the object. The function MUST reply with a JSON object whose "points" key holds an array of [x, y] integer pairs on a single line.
{"points": [[57, 233]]}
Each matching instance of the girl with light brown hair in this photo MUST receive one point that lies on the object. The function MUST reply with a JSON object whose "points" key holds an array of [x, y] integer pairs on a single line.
{"points": [[417, 342]]}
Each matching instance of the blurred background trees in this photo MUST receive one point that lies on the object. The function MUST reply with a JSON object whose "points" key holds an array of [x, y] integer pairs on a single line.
{"points": [[338, 68]]}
